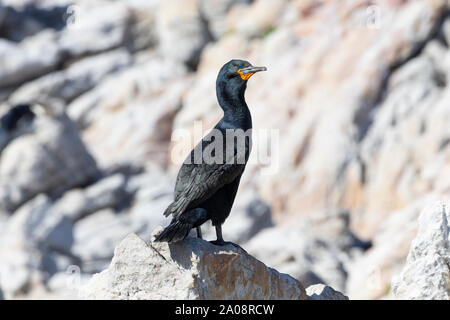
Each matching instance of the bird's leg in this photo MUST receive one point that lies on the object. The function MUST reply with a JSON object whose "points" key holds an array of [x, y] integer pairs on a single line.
{"points": [[219, 241], [219, 235], [199, 232]]}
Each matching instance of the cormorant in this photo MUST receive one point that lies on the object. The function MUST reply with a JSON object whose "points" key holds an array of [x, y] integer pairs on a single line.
{"points": [[205, 189]]}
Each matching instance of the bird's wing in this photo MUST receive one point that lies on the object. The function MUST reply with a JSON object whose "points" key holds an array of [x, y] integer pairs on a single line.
{"points": [[203, 181], [199, 180]]}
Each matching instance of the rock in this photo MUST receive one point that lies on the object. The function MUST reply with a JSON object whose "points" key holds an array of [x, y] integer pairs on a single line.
{"points": [[154, 193], [20, 257], [182, 31], [302, 250], [109, 192], [20, 19], [35, 56], [78, 78], [148, 97], [15, 121], [413, 93], [109, 219], [96, 27], [426, 274], [95, 252], [65, 285], [192, 269], [259, 18], [360, 105], [43, 236], [323, 292], [216, 14], [370, 275], [50, 160]]}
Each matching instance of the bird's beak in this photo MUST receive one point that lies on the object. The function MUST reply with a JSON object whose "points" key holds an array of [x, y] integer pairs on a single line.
{"points": [[246, 73]]}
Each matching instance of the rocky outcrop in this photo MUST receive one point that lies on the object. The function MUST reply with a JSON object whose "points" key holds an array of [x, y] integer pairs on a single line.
{"points": [[70, 83], [323, 292], [192, 269], [35, 56], [426, 274], [370, 275], [47, 157]]}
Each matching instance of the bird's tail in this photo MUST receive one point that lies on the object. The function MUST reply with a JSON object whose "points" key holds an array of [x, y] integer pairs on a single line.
{"points": [[175, 231]]}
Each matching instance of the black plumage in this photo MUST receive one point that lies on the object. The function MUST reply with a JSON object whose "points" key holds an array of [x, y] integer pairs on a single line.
{"points": [[207, 183]]}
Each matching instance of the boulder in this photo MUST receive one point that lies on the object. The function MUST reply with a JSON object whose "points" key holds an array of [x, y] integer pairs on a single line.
{"points": [[426, 274], [370, 275], [311, 251], [182, 31], [323, 292], [20, 257], [148, 97], [108, 192], [51, 158], [191, 269], [215, 12], [80, 77], [44, 237], [95, 27], [95, 252], [31, 58]]}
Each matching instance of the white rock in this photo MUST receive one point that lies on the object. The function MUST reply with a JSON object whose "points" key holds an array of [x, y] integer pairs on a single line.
{"points": [[33, 57], [51, 159], [192, 269], [148, 95], [97, 27], [20, 257], [78, 78], [181, 30], [303, 252], [427, 271], [95, 237], [108, 192], [323, 292], [370, 275], [215, 12]]}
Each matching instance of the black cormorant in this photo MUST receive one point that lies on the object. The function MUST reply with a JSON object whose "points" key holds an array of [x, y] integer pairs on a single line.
{"points": [[207, 182]]}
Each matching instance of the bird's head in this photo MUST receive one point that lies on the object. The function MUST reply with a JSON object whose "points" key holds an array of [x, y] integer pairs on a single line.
{"points": [[235, 73]]}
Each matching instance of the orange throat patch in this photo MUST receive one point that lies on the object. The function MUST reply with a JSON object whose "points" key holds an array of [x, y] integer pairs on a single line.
{"points": [[245, 76]]}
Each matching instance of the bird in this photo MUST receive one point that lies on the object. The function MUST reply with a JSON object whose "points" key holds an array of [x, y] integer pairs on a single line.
{"points": [[208, 179]]}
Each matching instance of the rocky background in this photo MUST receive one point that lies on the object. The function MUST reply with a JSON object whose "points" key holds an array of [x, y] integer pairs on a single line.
{"points": [[356, 91]]}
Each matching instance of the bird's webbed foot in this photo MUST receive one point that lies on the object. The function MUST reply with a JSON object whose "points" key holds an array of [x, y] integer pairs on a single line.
{"points": [[221, 242]]}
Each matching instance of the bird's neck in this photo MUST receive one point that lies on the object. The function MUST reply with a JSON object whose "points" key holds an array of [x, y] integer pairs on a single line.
{"points": [[232, 101]]}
